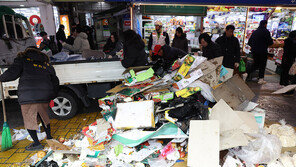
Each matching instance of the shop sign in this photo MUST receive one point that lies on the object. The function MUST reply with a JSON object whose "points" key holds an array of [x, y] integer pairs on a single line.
{"points": [[127, 23], [34, 19], [219, 2], [105, 22], [64, 19]]}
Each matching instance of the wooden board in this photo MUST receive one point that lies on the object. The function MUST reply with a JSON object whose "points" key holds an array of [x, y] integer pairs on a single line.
{"points": [[234, 92], [203, 144], [285, 89], [56, 145]]}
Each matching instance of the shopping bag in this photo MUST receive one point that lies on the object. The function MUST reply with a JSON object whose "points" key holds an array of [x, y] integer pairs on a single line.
{"points": [[242, 66], [292, 70]]}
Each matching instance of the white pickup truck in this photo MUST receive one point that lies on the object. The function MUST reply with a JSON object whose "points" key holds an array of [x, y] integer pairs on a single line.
{"points": [[79, 80]]}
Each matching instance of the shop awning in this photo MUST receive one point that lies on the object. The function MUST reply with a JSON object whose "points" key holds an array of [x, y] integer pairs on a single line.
{"points": [[219, 2], [174, 10]]}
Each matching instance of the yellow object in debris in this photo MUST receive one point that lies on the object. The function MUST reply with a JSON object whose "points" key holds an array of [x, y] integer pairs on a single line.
{"points": [[97, 147], [187, 92], [41, 154]]}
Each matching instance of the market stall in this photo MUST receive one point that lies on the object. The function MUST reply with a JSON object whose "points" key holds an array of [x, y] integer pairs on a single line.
{"points": [[172, 17]]}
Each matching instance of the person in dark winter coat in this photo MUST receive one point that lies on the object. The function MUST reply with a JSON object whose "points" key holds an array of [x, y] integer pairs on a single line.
{"points": [[230, 48], [133, 50], [180, 41], [168, 54], [259, 41], [48, 43], [113, 45], [61, 36], [288, 59], [38, 84], [209, 48]]}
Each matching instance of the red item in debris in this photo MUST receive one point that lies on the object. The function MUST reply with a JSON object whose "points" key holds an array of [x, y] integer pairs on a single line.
{"points": [[167, 150]]}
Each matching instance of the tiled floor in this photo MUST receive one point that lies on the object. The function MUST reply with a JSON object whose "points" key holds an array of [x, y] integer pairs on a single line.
{"points": [[18, 156]]}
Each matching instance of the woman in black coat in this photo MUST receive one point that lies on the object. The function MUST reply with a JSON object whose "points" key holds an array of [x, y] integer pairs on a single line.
{"points": [[180, 41], [288, 59], [113, 45], [38, 84], [61, 36], [209, 49], [133, 50]]}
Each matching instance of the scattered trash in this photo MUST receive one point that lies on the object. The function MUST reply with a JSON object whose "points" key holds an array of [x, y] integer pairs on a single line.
{"points": [[284, 132], [161, 117]]}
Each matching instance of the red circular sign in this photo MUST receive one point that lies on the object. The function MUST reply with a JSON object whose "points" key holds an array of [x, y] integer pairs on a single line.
{"points": [[34, 17]]}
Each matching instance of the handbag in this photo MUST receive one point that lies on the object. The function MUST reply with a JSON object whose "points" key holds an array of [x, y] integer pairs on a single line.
{"points": [[292, 70]]}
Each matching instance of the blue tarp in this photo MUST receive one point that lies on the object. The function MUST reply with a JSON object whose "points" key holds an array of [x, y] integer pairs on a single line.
{"points": [[220, 2]]}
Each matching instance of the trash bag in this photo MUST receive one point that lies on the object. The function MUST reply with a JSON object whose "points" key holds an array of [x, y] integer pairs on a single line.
{"points": [[53, 164], [265, 149], [206, 90], [192, 109]]}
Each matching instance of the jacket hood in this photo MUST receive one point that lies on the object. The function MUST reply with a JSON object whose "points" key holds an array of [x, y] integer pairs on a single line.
{"points": [[34, 54], [82, 35]]}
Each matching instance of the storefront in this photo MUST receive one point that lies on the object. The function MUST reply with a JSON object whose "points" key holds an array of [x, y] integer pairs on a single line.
{"points": [[215, 19], [189, 18]]}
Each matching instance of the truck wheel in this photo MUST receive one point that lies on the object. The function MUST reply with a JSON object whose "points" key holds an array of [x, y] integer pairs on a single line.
{"points": [[64, 106]]}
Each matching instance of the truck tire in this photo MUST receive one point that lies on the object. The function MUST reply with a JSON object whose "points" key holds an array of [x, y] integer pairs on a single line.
{"points": [[64, 106]]}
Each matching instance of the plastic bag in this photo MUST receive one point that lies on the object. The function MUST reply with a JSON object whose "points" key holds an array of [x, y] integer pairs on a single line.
{"points": [[19, 134], [285, 133], [242, 66], [266, 148], [206, 90]]}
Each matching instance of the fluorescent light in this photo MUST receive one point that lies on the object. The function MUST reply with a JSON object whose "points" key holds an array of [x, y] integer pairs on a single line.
{"points": [[22, 5]]}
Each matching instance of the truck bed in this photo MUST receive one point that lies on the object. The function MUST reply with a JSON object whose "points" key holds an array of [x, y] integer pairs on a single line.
{"points": [[81, 72]]}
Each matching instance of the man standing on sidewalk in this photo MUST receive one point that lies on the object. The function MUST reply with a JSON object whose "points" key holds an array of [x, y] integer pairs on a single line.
{"points": [[259, 41], [230, 48]]}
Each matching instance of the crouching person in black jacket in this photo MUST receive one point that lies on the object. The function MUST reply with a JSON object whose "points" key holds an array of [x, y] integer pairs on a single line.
{"points": [[38, 84], [133, 50]]}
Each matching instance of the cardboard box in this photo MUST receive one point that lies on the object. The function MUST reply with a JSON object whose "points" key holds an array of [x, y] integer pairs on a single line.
{"points": [[234, 91]]}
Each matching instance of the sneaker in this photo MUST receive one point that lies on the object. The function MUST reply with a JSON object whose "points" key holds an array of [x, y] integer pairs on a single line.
{"points": [[245, 75], [261, 81], [31, 147]]}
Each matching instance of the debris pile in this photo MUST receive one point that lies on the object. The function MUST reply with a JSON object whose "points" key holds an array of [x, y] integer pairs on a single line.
{"points": [[182, 116]]}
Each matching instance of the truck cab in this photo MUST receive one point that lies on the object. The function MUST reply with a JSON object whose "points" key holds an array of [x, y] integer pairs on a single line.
{"points": [[80, 81], [15, 35]]}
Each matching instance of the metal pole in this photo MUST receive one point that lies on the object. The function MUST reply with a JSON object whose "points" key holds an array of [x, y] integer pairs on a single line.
{"points": [[246, 26]]}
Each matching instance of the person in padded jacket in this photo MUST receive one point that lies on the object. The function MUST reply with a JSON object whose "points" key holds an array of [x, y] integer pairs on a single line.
{"points": [[38, 84], [133, 50], [209, 48], [168, 54], [180, 41]]}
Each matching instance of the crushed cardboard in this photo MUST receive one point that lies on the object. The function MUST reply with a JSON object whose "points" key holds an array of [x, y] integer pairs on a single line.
{"points": [[234, 92]]}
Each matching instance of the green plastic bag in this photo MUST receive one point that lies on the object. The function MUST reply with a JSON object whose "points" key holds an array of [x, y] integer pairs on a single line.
{"points": [[242, 66]]}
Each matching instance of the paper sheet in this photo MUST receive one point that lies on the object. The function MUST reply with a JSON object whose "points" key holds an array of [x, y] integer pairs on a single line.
{"points": [[135, 115]]}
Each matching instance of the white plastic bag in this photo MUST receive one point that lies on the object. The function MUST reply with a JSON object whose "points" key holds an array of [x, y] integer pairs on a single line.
{"points": [[206, 90], [266, 148], [284, 132], [19, 134]]}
